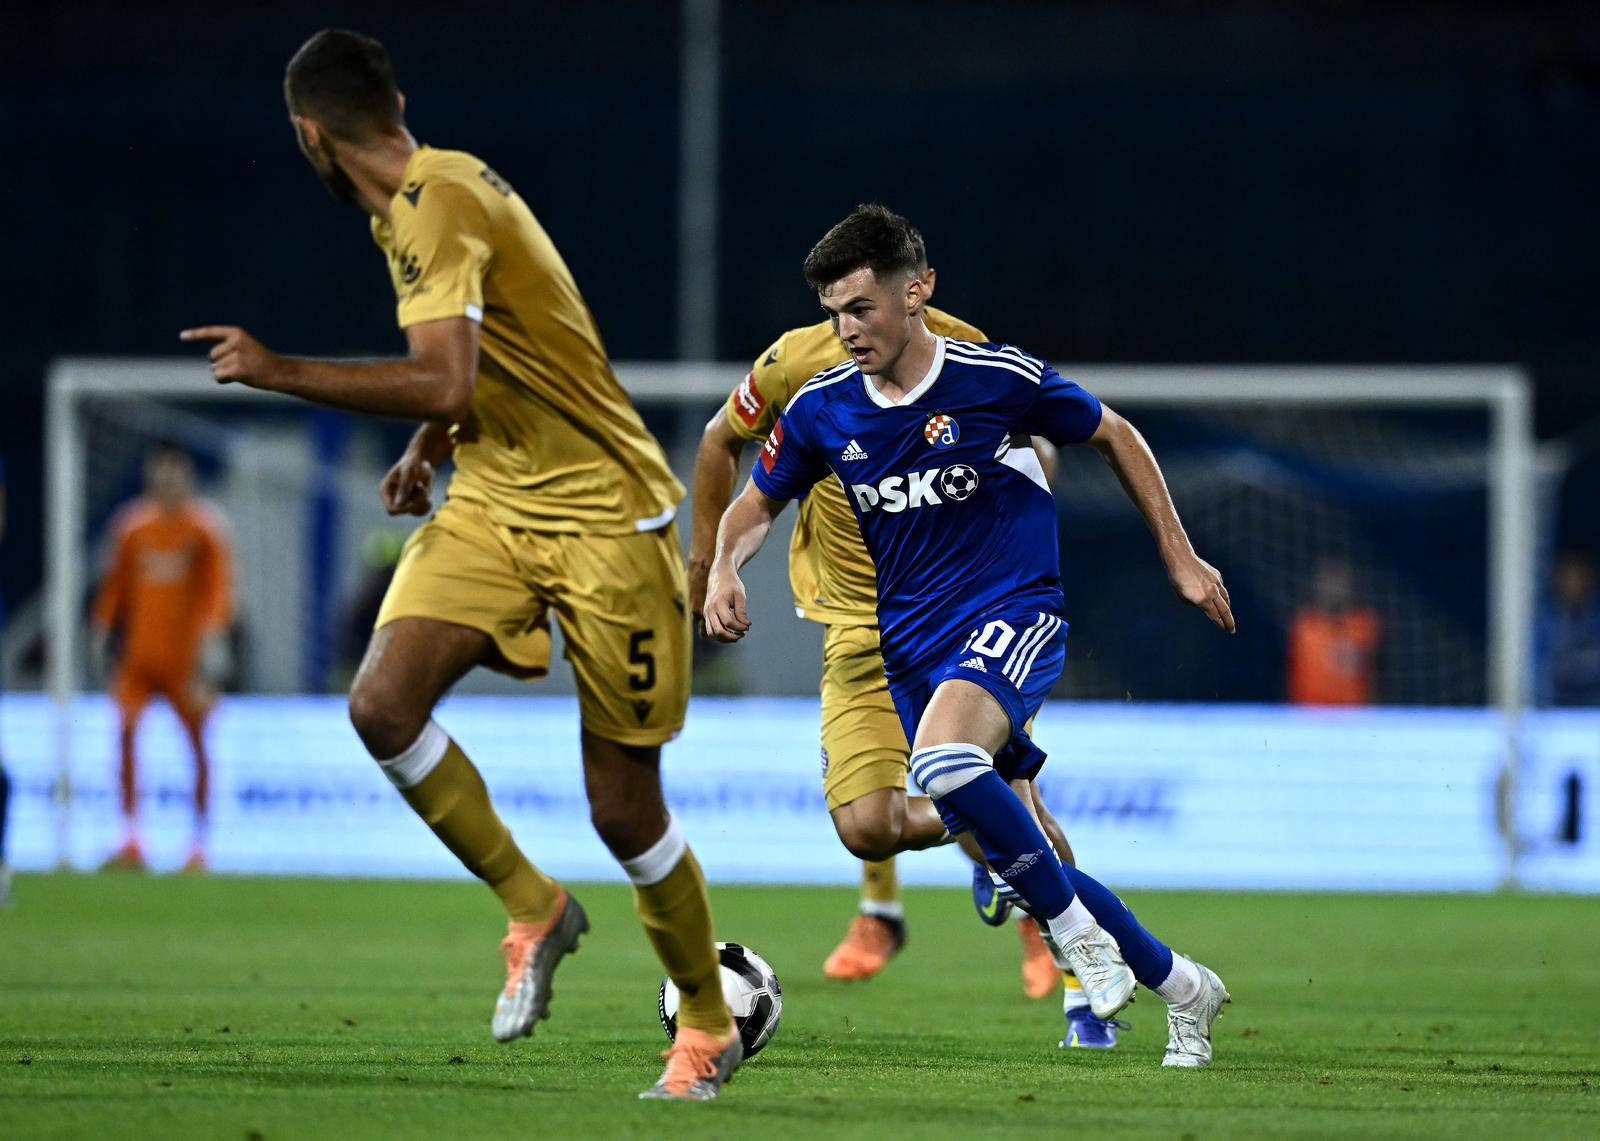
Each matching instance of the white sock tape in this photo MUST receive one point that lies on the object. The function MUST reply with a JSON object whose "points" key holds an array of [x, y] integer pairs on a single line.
{"points": [[412, 767], [656, 862]]}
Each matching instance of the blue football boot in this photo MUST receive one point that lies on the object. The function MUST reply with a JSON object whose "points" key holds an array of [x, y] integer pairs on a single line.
{"points": [[1087, 1032], [992, 901]]}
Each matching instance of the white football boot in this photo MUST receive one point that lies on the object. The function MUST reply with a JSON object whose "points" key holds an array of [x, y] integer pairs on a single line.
{"points": [[1189, 1026], [1107, 981]]}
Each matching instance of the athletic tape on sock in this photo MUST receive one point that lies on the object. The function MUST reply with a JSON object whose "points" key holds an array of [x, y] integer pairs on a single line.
{"points": [[411, 768], [656, 862], [941, 769], [882, 909]]}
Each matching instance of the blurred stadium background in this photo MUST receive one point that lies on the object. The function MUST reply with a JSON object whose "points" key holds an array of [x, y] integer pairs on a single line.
{"points": [[1338, 261]]}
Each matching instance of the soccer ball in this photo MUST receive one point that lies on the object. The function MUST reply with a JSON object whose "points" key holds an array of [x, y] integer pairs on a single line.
{"points": [[753, 994], [958, 481]]}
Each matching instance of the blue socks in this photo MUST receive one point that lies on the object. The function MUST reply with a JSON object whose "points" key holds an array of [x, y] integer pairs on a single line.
{"points": [[1148, 957], [962, 781]]}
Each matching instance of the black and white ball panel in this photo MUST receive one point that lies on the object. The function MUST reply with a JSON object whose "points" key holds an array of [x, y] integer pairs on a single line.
{"points": [[751, 989]]}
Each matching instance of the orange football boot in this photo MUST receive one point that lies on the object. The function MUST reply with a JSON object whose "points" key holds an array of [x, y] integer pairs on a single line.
{"points": [[866, 948], [1040, 975], [128, 858], [532, 952], [698, 1065]]}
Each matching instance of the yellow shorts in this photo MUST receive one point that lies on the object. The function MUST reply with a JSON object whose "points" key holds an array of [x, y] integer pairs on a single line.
{"points": [[863, 746], [622, 602]]}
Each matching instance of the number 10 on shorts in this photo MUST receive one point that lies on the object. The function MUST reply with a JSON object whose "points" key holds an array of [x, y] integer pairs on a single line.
{"points": [[993, 640]]}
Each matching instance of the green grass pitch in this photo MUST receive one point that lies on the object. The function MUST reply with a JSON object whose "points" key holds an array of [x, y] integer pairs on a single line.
{"points": [[258, 1008]]}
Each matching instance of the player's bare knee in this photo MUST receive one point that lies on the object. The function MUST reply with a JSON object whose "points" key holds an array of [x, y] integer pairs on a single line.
{"points": [[624, 826], [870, 838], [385, 727]]}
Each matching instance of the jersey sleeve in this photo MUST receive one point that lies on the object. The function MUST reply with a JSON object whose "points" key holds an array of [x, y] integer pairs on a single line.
{"points": [[788, 466], [443, 246], [1062, 411], [753, 407], [108, 601]]}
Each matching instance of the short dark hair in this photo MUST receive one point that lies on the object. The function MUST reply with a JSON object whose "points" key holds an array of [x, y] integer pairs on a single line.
{"points": [[873, 236], [344, 81]]}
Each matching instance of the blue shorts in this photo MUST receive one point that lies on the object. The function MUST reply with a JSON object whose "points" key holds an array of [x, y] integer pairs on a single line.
{"points": [[1016, 654]]}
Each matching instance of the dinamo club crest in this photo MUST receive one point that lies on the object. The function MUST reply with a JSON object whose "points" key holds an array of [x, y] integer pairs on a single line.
{"points": [[941, 431]]}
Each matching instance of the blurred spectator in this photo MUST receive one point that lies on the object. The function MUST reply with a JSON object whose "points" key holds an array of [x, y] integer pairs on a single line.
{"points": [[168, 598], [1333, 643], [1569, 635]]}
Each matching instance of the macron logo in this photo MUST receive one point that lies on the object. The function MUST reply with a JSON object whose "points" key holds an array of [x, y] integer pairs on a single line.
{"points": [[853, 451], [1022, 864], [975, 664]]}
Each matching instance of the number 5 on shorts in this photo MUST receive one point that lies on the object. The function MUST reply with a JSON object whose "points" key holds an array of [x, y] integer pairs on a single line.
{"points": [[639, 656]]}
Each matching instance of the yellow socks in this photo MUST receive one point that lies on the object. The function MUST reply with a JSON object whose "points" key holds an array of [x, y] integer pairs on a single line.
{"points": [[669, 893], [444, 788], [879, 883]]}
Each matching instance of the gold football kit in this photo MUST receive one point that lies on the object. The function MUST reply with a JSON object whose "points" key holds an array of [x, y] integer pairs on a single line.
{"points": [[562, 502], [863, 746]]}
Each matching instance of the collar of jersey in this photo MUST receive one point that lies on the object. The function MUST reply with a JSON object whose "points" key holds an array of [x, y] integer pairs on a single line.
{"points": [[915, 394]]}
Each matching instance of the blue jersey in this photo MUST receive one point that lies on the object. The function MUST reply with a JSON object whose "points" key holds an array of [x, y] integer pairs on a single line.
{"points": [[951, 500]]}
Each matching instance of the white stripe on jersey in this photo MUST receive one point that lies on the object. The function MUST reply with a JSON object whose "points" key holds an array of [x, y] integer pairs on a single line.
{"points": [[993, 362], [841, 367], [821, 380], [1021, 651], [1011, 351], [1025, 667], [1024, 460], [1010, 355], [1004, 351]]}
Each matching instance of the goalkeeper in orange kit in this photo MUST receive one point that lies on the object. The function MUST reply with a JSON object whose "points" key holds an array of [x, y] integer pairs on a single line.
{"points": [[166, 602]]}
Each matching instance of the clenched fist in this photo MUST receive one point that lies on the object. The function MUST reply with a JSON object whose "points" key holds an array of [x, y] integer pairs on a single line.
{"points": [[725, 616], [408, 488]]}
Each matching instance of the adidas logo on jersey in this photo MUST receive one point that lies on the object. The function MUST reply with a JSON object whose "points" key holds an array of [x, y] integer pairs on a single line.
{"points": [[853, 451], [1021, 864], [975, 664]]}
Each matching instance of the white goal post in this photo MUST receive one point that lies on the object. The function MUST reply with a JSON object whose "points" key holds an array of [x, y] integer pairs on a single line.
{"points": [[1502, 393]]}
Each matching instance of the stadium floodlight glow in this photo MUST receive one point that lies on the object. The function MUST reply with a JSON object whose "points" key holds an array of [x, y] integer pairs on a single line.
{"points": [[1503, 466]]}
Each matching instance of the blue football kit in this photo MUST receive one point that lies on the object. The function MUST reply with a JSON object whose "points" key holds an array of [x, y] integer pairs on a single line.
{"points": [[959, 520], [956, 514]]}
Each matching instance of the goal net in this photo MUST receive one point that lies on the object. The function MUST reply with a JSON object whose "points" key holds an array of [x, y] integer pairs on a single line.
{"points": [[1409, 492]]}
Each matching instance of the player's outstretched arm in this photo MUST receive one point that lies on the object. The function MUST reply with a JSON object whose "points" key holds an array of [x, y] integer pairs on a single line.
{"points": [[433, 382], [716, 471], [743, 529], [1196, 581]]}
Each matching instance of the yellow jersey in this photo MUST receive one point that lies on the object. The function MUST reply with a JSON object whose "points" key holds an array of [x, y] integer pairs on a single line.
{"points": [[552, 442], [830, 572]]}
